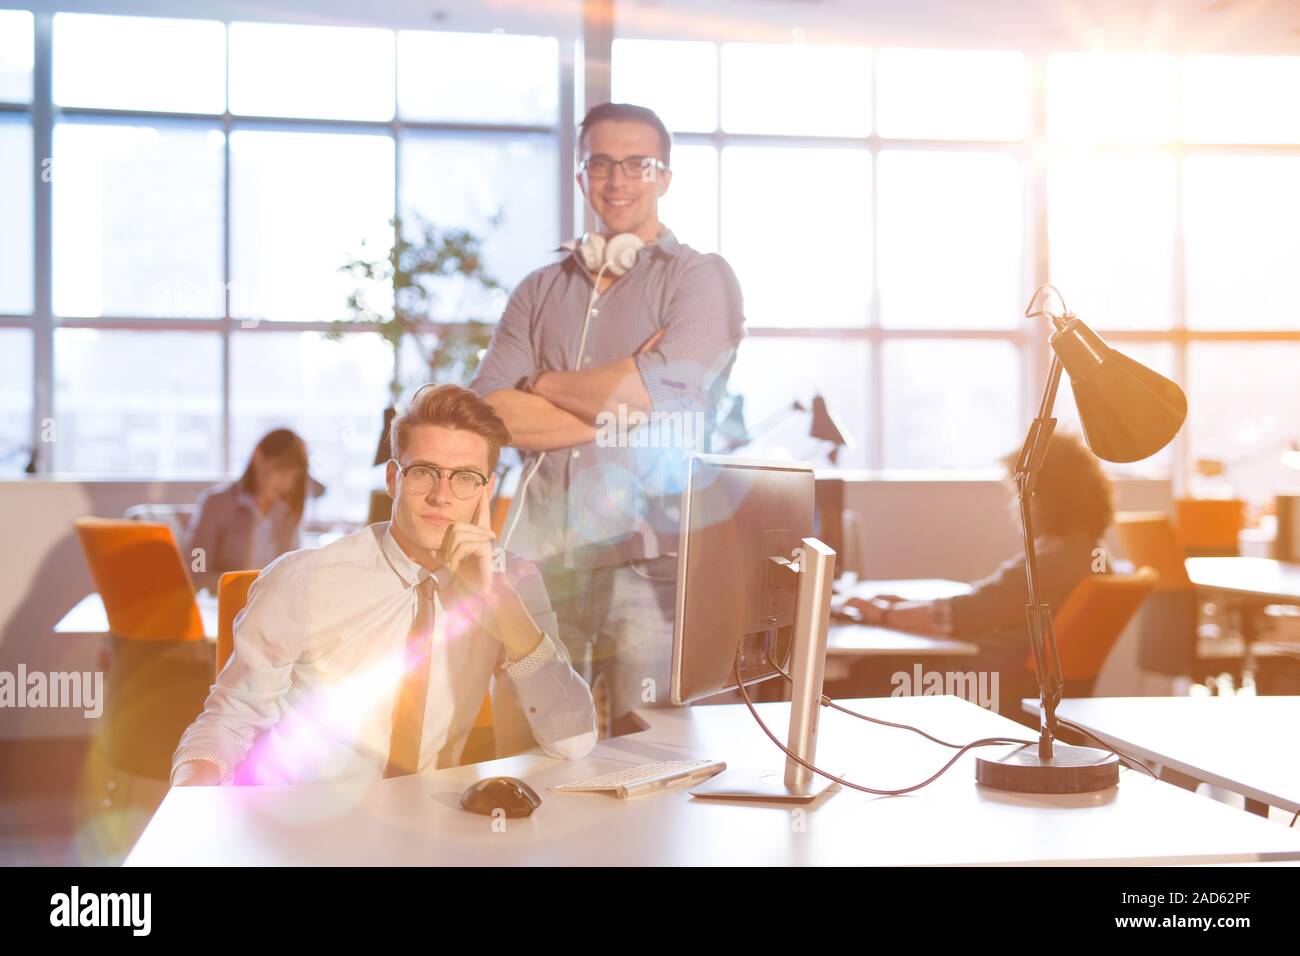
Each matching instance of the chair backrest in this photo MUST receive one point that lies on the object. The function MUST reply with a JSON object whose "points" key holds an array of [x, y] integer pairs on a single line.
{"points": [[1149, 540], [500, 509], [1210, 527], [484, 718], [1090, 621], [232, 595], [141, 579]]}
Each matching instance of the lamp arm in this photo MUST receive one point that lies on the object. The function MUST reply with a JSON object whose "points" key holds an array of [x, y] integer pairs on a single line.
{"points": [[1047, 664]]}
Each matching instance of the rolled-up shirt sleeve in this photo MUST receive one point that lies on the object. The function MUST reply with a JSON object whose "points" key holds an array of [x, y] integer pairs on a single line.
{"points": [[556, 701], [994, 612], [270, 636], [510, 354], [702, 331], [995, 602]]}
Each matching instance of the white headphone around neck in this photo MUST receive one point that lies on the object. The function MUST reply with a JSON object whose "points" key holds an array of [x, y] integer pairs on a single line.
{"points": [[615, 255]]}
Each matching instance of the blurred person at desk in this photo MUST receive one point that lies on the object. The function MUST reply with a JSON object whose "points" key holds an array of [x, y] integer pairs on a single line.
{"points": [[1072, 507], [246, 524]]}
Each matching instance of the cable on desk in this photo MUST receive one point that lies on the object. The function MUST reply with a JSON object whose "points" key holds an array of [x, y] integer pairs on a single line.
{"points": [[827, 702], [1109, 747], [983, 742]]}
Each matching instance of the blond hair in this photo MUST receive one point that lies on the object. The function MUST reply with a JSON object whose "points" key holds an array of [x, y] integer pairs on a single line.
{"points": [[451, 406]]}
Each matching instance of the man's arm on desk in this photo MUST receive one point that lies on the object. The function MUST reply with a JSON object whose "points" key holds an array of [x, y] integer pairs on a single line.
{"points": [[245, 699], [555, 700], [919, 617]]}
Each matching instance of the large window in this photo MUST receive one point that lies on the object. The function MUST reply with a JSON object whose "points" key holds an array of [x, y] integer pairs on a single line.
{"points": [[872, 203], [889, 212], [1174, 186], [207, 182]]}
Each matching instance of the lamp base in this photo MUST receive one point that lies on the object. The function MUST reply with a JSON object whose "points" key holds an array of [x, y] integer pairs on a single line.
{"points": [[1070, 770]]}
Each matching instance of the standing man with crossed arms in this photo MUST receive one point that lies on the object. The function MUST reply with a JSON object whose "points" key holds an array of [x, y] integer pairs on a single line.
{"points": [[582, 346]]}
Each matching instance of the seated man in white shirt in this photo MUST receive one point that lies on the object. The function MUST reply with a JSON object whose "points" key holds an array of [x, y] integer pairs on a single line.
{"points": [[371, 657]]}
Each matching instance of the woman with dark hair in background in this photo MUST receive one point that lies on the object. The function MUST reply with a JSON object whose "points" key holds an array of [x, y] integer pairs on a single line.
{"points": [[1071, 508], [247, 523]]}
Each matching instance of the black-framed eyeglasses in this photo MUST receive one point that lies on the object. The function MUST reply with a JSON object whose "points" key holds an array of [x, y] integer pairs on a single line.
{"points": [[601, 166], [422, 479]]}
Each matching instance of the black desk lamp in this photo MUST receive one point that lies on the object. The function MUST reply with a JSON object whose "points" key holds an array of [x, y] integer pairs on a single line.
{"points": [[1128, 413]]}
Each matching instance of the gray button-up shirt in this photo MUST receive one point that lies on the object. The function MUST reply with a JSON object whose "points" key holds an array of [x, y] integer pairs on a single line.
{"points": [[617, 499]]}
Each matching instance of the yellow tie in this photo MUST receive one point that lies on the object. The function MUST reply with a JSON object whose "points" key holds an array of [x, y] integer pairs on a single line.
{"points": [[408, 712]]}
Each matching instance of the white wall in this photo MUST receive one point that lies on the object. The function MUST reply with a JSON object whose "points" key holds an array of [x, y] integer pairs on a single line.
{"points": [[43, 574]]}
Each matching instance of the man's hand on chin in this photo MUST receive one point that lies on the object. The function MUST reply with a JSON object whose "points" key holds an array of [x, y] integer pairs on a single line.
{"points": [[468, 548]]}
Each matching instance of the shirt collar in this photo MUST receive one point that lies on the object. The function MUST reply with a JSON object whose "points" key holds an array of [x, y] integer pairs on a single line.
{"points": [[406, 569]]}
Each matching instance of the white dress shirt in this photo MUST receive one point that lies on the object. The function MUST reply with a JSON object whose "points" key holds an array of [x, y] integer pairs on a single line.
{"points": [[308, 694], [262, 548]]}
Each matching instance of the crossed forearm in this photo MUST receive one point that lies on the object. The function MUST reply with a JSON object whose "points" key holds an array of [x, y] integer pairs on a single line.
{"points": [[603, 388], [536, 424]]}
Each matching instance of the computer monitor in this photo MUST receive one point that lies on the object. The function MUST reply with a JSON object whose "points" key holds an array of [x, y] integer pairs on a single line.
{"points": [[753, 588]]}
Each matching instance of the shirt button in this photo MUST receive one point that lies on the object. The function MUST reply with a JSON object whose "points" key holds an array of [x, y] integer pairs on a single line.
{"points": [[595, 312], [532, 710], [576, 453], [586, 360]]}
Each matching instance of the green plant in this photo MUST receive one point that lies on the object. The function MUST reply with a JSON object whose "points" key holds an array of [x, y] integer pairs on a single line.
{"points": [[412, 270]]}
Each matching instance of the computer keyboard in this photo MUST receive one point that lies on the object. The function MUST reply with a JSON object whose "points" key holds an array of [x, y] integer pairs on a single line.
{"points": [[646, 778]]}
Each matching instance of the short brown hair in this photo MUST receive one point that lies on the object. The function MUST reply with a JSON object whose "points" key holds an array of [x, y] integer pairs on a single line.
{"points": [[1073, 495], [451, 406], [627, 111]]}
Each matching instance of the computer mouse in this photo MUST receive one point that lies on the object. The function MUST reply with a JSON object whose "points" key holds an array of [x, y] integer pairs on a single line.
{"points": [[508, 794]]}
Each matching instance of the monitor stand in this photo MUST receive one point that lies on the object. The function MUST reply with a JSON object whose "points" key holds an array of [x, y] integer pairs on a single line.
{"points": [[809, 578]]}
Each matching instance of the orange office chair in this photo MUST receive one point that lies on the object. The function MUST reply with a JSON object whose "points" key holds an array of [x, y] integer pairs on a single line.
{"points": [[138, 572], [160, 667], [480, 745], [1150, 539], [500, 508], [232, 595], [1210, 527], [1089, 623]]}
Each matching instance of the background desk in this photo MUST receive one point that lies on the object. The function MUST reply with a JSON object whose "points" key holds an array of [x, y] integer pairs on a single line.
{"points": [[416, 819], [1243, 744], [1251, 584], [89, 619], [1276, 582]]}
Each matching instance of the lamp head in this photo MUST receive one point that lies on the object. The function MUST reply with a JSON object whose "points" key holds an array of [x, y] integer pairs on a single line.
{"points": [[1127, 411]]}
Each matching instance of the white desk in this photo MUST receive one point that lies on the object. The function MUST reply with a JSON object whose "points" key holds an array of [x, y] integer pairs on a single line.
{"points": [[1243, 744], [89, 619], [1255, 581], [1270, 581], [417, 820]]}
